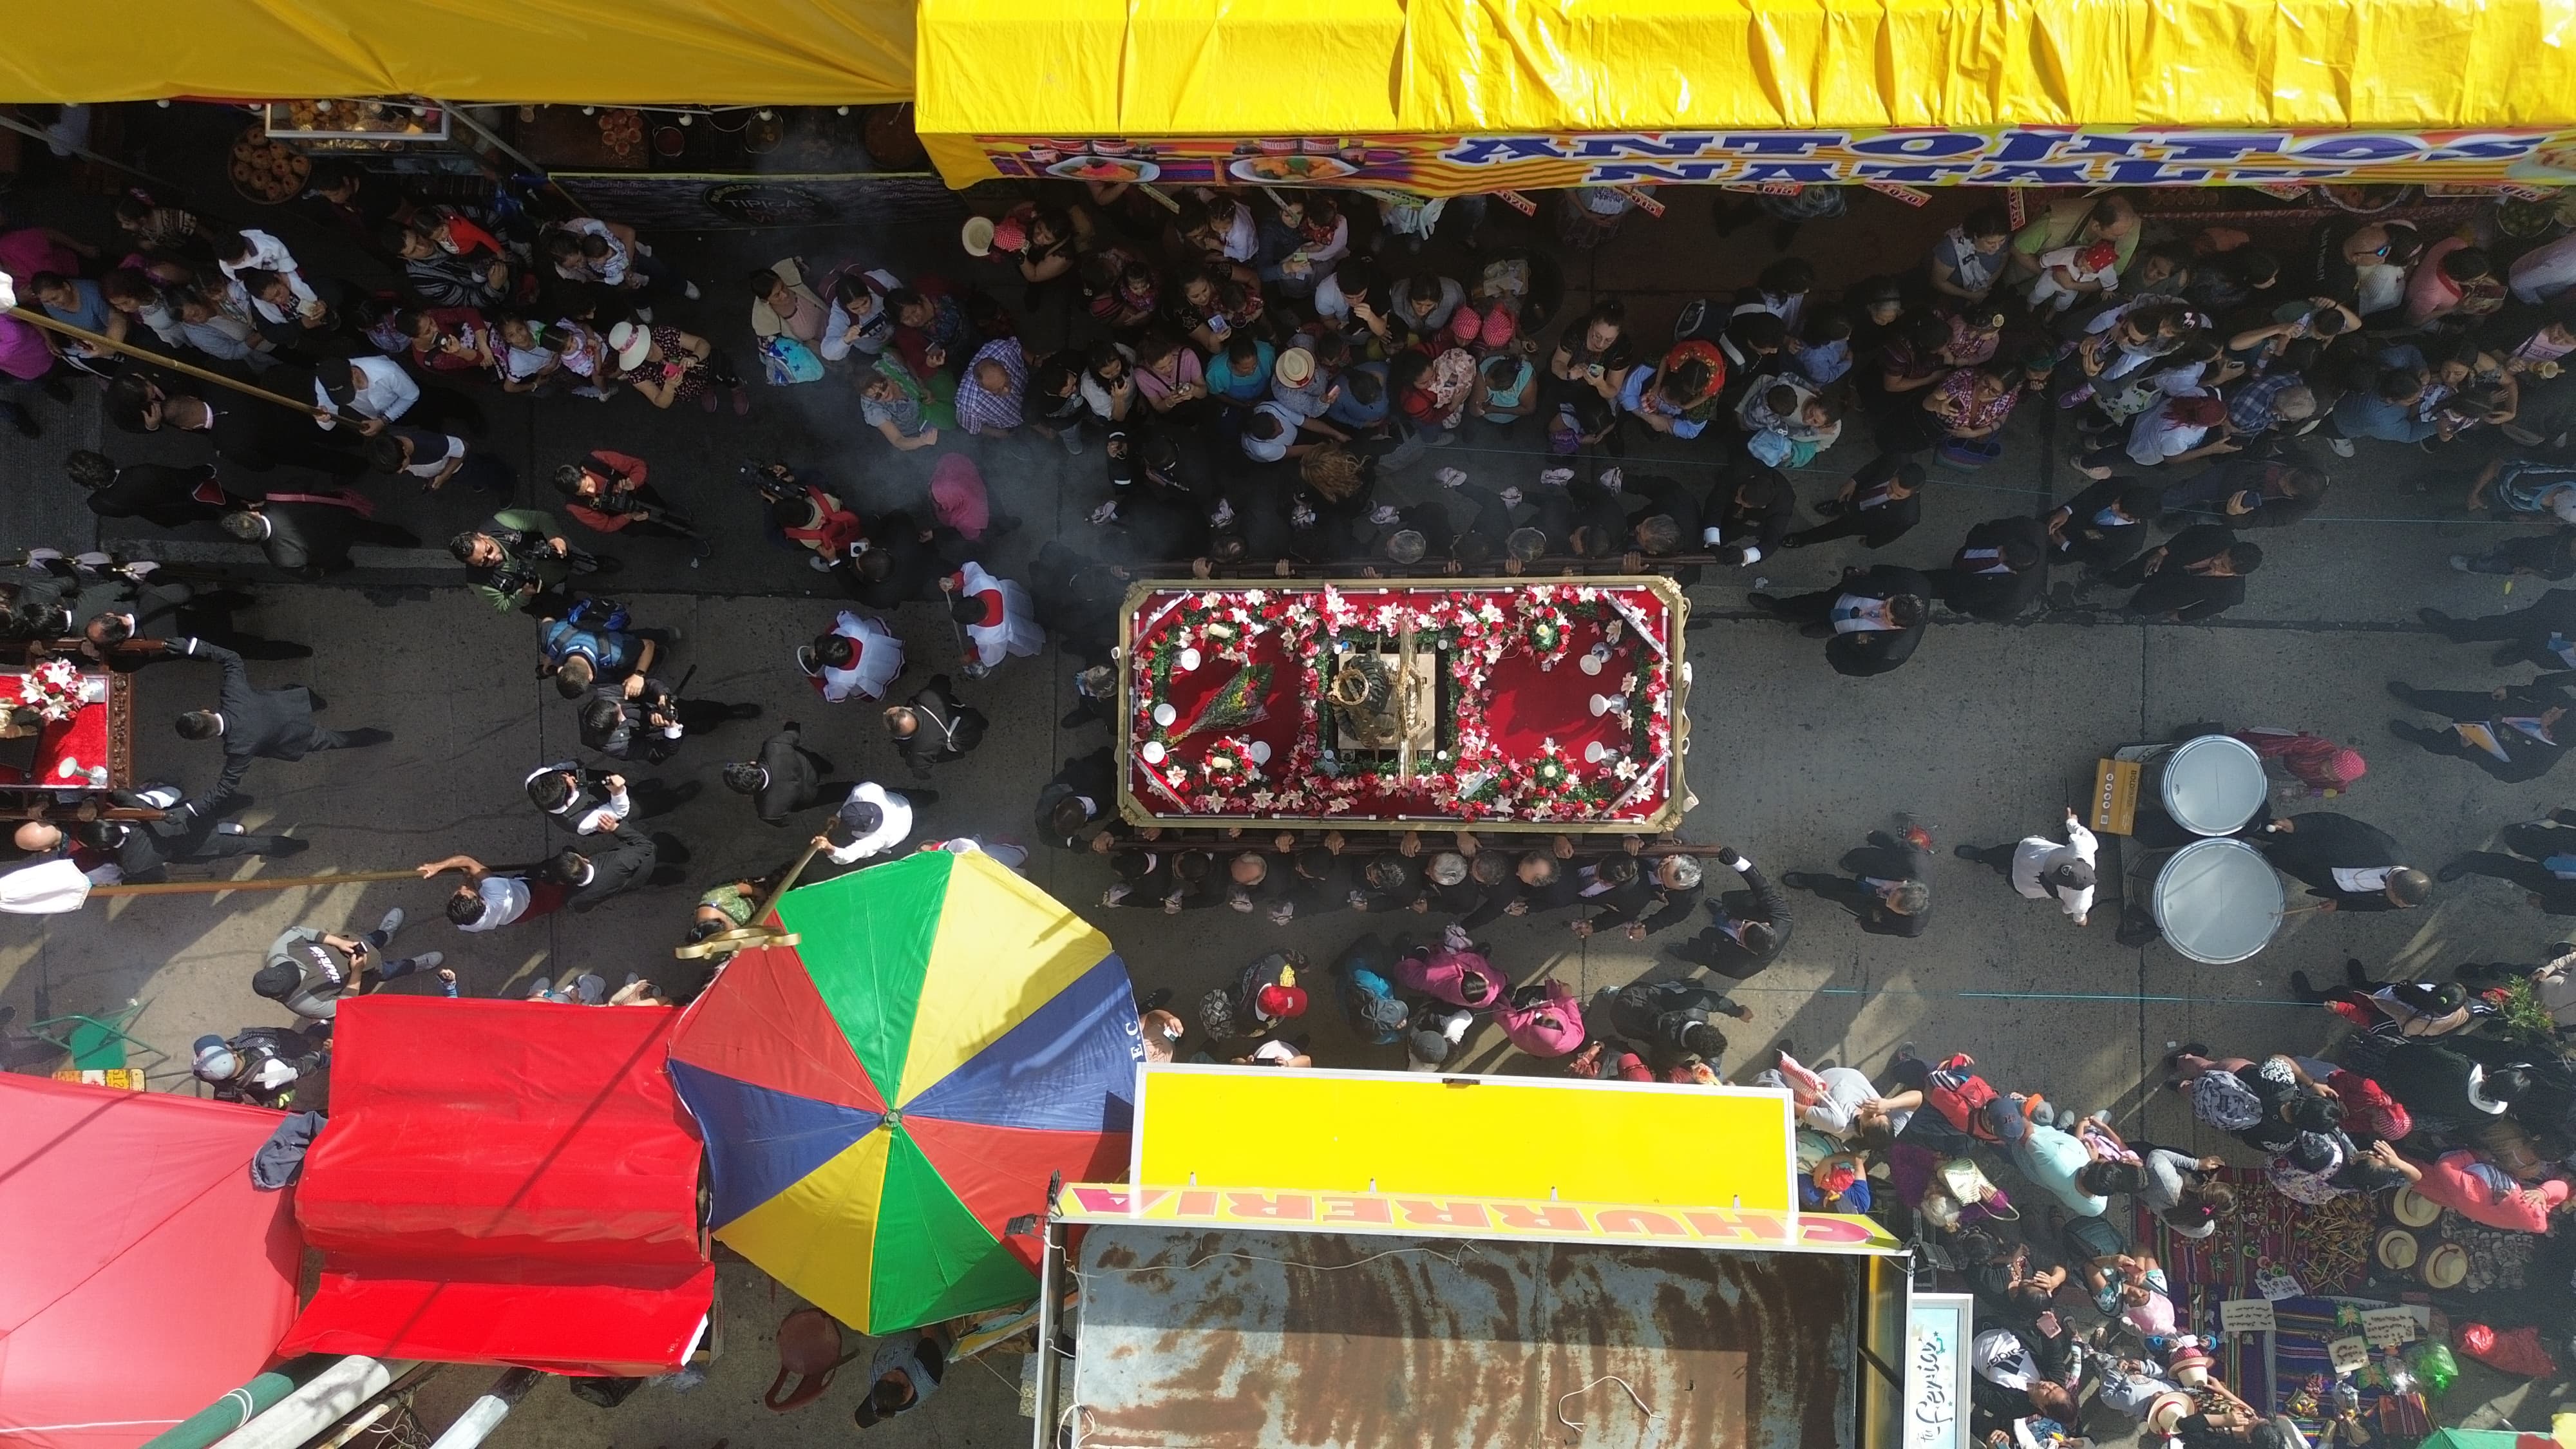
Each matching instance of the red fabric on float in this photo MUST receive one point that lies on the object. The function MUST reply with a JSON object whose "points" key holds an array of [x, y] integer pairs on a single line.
{"points": [[146, 1276], [505, 1182]]}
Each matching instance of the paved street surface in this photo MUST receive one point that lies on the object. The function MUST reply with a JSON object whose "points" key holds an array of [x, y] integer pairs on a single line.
{"points": [[1987, 734]]}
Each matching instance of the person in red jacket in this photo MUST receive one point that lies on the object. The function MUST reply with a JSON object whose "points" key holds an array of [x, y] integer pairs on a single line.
{"points": [[607, 491]]}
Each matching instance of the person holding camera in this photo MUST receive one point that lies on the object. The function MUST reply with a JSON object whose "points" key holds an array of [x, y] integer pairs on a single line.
{"points": [[606, 491], [808, 516], [519, 559]]}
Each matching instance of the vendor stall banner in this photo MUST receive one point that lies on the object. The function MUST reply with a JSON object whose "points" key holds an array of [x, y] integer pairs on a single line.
{"points": [[1427, 1216], [1938, 1327], [1779, 160]]}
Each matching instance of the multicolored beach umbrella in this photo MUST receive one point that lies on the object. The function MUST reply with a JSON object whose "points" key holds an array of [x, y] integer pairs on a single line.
{"points": [[882, 1098]]}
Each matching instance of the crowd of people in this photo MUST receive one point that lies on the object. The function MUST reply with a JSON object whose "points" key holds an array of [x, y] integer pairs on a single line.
{"points": [[1249, 367]]}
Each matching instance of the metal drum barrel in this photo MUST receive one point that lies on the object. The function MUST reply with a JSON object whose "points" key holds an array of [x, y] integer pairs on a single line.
{"points": [[2210, 785], [2217, 901]]}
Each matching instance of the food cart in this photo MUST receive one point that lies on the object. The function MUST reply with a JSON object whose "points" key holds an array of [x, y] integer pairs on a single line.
{"points": [[1499, 703], [1322, 1258]]}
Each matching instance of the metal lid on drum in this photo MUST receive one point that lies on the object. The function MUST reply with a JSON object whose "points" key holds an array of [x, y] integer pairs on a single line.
{"points": [[2217, 901], [2212, 785]]}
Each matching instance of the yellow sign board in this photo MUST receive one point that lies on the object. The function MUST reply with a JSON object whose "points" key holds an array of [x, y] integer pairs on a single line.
{"points": [[1438, 1216], [1490, 1137], [2115, 796]]}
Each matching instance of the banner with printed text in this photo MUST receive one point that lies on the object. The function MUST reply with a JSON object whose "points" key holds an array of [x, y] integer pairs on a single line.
{"points": [[1440, 1216], [1435, 165]]}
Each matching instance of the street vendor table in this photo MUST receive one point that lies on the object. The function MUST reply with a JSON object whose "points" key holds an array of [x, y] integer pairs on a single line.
{"points": [[1507, 704], [91, 748]]}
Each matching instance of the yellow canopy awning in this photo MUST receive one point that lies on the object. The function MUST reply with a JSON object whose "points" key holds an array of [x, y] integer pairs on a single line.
{"points": [[633, 52], [1010, 87]]}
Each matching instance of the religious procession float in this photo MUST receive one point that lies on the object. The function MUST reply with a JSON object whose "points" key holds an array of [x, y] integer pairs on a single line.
{"points": [[1499, 703]]}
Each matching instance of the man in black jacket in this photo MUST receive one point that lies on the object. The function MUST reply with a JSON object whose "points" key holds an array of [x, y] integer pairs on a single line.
{"points": [[2531, 846], [256, 436], [1671, 1019], [597, 874], [2103, 526], [1885, 891], [1669, 519], [2541, 633], [785, 779], [144, 850], [2199, 574], [1651, 900], [307, 536], [1747, 929], [2512, 732], [2247, 493], [256, 724], [1881, 504], [932, 728], [1754, 507], [1999, 570], [904, 561], [2353, 866], [1078, 809], [1871, 620], [162, 496]]}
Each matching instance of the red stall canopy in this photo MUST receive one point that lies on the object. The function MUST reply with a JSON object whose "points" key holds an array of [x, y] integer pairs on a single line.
{"points": [[505, 1182], [146, 1276]]}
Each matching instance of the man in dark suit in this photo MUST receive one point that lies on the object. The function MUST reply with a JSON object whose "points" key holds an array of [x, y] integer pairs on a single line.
{"points": [[246, 433], [307, 536], [1650, 900], [144, 609], [1544, 881], [2199, 574], [1747, 929], [256, 724], [1668, 519], [161, 496], [1881, 503], [2104, 525], [2525, 635], [144, 850], [2516, 732], [2353, 866], [1999, 570], [1078, 809], [904, 562], [1754, 507], [932, 728], [598, 873], [1871, 620], [785, 779], [1884, 889]]}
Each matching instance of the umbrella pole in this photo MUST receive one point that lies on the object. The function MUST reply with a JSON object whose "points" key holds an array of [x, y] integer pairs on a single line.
{"points": [[261, 883], [40, 319]]}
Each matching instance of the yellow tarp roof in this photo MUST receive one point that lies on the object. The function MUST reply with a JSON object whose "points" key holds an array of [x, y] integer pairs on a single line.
{"points": [[1506, 1137], [1068, 68], [630, 52]]}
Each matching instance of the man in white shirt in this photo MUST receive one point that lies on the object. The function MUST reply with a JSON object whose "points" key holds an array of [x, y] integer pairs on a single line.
{"points": [[859, 657], [496, 896], [584, 801], [873, 821], [2042, 869]]}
